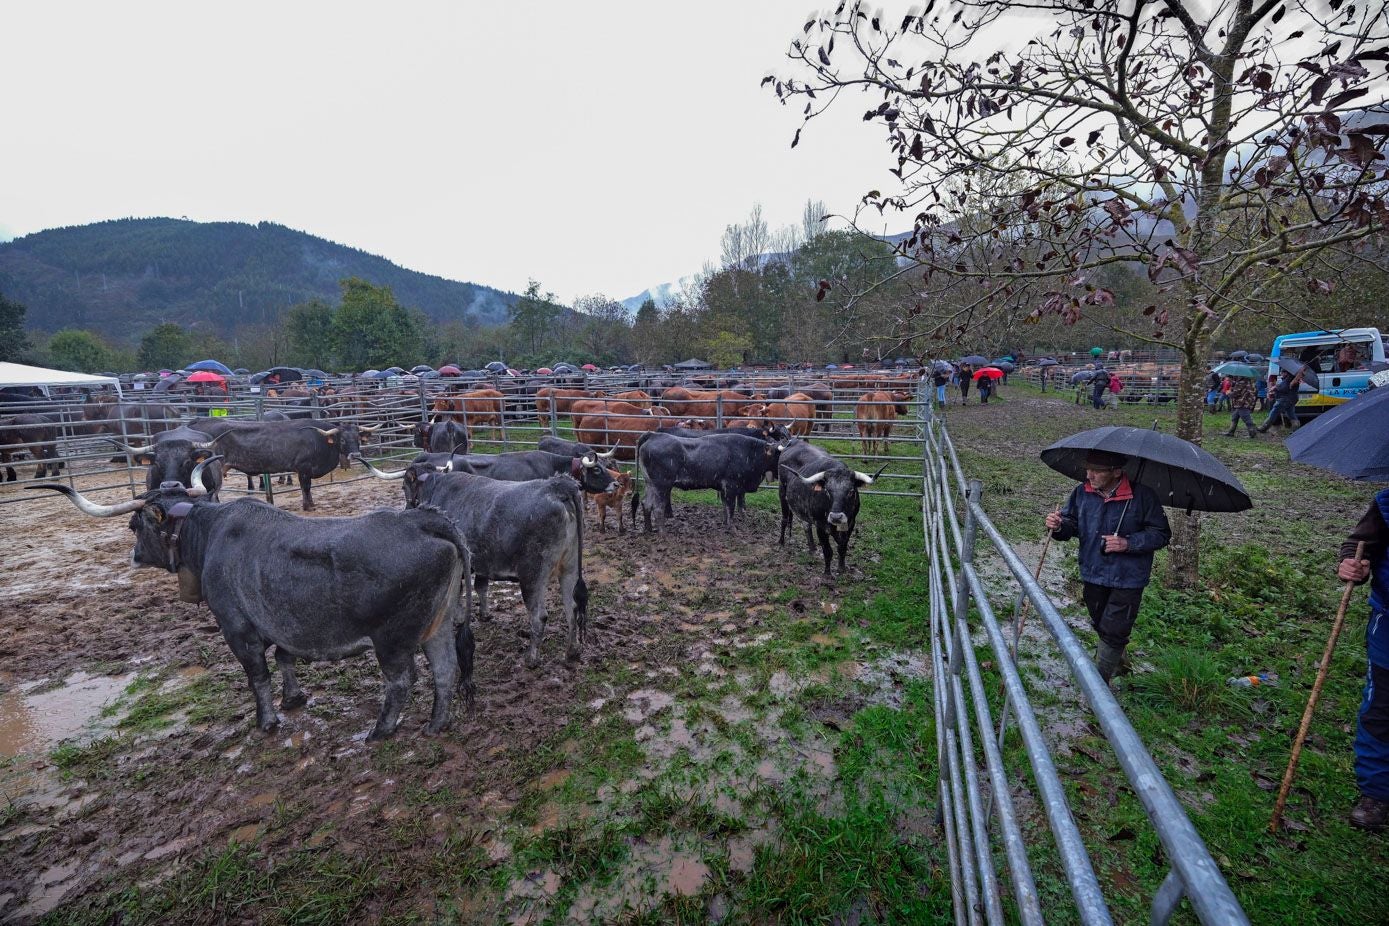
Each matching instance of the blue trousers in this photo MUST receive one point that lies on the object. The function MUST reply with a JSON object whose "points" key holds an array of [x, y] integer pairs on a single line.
{"points": [[1372, 729]]}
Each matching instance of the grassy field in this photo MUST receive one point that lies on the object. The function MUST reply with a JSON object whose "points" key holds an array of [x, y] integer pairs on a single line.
{"points": [[787, 774], [1265, 604]]}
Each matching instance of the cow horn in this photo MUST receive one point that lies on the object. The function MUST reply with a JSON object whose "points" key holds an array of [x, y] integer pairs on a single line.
{"points": [[91, 507], [811, 480], [196, 489], [606, 456], [208, 445], [369, 428], [378, 474], [133, 451], [588, 460], [331, 432]]}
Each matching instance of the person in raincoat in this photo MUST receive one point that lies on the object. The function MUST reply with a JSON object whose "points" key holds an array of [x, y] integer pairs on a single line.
{"points": [[1371, 811], [1120, 525], [1242, 399]]}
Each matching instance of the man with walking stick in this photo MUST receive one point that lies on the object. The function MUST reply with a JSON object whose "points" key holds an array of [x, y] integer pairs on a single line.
{"points": [[1371, 812]]}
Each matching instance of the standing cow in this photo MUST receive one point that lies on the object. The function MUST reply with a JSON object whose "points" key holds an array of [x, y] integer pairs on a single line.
{"points": [[733, 464], [316, 589], [875, 412], [822, 492]]}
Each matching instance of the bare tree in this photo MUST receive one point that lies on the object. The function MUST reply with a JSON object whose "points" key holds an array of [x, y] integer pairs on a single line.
{"points": [[1223, 147]]}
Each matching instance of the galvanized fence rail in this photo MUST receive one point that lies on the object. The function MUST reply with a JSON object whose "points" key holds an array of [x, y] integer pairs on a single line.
{"points": [[977, 809]]}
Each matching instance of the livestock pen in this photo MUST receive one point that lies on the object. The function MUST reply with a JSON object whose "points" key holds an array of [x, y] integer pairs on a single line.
{"points": [[742, 739]]}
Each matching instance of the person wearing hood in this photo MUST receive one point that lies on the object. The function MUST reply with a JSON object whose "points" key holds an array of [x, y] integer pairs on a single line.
{"points": [[1120, 525]]}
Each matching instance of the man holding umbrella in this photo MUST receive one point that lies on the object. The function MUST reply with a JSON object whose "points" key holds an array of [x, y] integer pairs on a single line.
{"points": [[1120, 525], [1284, 400]]}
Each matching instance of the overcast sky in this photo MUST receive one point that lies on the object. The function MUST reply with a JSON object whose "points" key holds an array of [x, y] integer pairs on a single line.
{"points": [[594, 147]]}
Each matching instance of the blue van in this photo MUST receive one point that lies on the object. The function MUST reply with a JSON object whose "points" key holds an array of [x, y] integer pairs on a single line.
{"points": [[1343, 359]]}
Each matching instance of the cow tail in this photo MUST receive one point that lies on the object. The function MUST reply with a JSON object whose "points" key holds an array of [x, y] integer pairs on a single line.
{"points": [[576, 503], [463, 639]]}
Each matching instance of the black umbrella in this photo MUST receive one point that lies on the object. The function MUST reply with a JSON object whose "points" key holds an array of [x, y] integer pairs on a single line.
{"points": [[1084, 376], [1295, 366], [1005, 365], [1238, 354], [1048, 362], [974, 360], [284, 374], [1182, 474], [1351, 439], [496, 366], [421, 368], [942, 366]]}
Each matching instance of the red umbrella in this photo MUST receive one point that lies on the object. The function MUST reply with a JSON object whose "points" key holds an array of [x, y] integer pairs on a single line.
{"points": [[990, 372], [205, 376], [449, 369], [589, 368], [545, 371]]}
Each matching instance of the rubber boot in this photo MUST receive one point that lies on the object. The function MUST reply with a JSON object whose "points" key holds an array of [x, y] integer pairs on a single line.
{"points": [[1231, 432], [1108, 659], [1369, 814]]}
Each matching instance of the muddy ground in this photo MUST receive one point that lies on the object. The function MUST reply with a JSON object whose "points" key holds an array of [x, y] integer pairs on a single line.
{"points": [[138, 806]]}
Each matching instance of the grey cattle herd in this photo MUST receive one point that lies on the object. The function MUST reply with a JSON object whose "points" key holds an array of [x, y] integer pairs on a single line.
{"points": [[400, 581]]}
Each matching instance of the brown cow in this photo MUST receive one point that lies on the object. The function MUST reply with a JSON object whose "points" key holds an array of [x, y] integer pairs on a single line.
{"points": [[582, 408], [796, 414], [562, 398], [622, 484], [692, 403], [636, 397], [875, 412], [618, 433], [476, 408]]}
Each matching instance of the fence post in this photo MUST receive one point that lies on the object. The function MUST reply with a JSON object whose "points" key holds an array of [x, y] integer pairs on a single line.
{"points": [[553, 399], [718, 410]]}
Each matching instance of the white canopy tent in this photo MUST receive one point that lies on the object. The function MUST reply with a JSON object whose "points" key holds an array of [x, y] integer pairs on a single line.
{"points": [[18, 374]]}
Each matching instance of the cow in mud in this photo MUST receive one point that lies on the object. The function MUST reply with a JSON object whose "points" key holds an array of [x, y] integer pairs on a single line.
{"points": [[317, 589], [174, 457], [875, 412], [822, 492], [519, 466], [36, 435], [523, 532], [613, 498], [309, 449], [734, 464]]}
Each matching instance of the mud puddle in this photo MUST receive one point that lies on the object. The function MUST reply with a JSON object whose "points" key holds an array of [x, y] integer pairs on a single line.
{"points": [[35, 719]]}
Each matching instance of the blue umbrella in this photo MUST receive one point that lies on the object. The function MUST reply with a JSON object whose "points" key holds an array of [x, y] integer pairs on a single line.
{"points": [[1351, 439], [1240, 370], [211, 366], [974, 360]]}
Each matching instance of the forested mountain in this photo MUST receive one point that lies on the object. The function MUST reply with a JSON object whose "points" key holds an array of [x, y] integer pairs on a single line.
{"points": [[126, 276]]}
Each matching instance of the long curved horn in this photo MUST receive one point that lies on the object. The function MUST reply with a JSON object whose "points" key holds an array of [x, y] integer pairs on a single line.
{"points": [[91, 507], [606, 456], [588, 460], [378, 473], [369, 428], [196, 489], [208, 445], [811, 480], [133, 451]]}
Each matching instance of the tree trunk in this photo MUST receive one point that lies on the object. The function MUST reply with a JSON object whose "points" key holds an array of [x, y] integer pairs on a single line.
{"points": [[1183, 555]]}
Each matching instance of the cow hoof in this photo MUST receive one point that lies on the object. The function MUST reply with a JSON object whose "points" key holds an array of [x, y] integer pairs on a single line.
{"points": [[431, 729], [294, 702], [532, 660], [572, 656], [377, 734], [269, 726]]}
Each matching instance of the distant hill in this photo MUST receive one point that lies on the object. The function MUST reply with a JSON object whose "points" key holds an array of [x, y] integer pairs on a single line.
{"points": [[123, 277]]}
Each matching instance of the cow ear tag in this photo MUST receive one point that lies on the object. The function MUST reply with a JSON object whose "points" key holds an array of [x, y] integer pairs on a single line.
{"points": [[817, 488]]}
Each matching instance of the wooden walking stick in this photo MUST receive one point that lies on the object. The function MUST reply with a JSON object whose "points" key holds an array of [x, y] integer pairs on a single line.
{"points": [[1037, 575], [1312, 700]]}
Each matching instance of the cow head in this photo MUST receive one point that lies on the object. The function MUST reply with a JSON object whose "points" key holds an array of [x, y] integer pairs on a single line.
{"points": [[155, 520], [590, 473], [420, 435], [901, 399]]}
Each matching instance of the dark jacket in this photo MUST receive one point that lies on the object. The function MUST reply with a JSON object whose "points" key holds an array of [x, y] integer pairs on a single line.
{"points": [[1373, 529], [1090, 517]]}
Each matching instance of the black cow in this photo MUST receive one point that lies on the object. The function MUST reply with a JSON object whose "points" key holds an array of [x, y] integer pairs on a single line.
{"points": [[774, 433], [315, 589], [732, 463], [520, 532], [35, 434], [174, 457], [520, 466], [822, 492], [441, 437], [310, 449], [573, 448]]}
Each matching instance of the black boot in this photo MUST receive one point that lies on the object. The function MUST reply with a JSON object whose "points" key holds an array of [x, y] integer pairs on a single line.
{"points": [[1231, 432], [1369, 814], [1108, 659]]}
